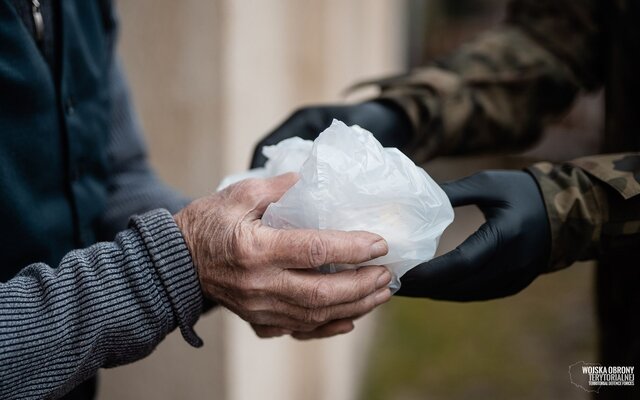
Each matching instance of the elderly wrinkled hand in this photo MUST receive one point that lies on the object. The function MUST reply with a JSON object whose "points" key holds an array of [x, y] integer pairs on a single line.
{"points": [[269, 276]]}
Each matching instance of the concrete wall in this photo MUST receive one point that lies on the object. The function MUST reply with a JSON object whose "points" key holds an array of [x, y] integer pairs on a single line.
{"points": [[209, 78]]}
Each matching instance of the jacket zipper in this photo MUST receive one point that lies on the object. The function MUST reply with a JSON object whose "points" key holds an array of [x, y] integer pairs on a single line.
{"points": [[38, 21]]}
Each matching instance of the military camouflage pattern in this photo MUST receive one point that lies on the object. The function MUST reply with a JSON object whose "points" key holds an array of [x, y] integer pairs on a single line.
{"points": [[620, 171], [484, 98], [499, 91], [592, 204]]}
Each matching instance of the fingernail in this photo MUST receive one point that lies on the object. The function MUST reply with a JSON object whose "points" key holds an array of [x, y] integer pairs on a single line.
{"points": [[378, 249], [382, 297], [383, 280]]}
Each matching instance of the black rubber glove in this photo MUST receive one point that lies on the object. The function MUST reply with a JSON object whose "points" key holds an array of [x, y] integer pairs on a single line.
{"points": [[388, 123], [503, 256]]}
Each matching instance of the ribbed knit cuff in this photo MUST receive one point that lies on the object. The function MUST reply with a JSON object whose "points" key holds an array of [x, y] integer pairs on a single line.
{"points": [[173, 264]]}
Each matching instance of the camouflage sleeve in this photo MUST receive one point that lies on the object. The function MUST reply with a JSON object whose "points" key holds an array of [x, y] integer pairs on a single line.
{"points": [[593, 205], [498, 91]]}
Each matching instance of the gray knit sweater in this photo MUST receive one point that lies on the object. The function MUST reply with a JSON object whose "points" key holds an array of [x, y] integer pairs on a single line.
{"points": [[109, 304]]}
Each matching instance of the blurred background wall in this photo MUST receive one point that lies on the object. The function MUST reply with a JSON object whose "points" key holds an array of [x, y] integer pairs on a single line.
{"points": [[212, 76]]}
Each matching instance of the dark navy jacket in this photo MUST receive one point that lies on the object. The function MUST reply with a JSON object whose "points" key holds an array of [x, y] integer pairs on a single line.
{"points": [[53, 133]]}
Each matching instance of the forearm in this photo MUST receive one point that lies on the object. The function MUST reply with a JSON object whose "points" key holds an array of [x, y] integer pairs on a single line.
{"points": [[493, 95], [593, 206], [104, 306], [497, 92]]}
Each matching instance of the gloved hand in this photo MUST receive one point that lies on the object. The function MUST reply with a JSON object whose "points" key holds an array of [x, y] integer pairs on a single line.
{"points": [[386, 121], [503, 256]]}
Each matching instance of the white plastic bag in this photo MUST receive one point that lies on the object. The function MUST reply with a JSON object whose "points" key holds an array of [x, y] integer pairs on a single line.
{"points": [[286, 156], [350, 182]]}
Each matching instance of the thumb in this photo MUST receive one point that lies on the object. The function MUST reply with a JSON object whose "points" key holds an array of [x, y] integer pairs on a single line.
{"points": [[270, 190], [466, 259]]}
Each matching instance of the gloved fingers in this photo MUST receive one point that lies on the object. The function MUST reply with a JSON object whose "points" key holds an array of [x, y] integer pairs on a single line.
{"points": [[306, 123], [296, 125], [484, 285], [468, 258], [258, 159], [473, 189]]}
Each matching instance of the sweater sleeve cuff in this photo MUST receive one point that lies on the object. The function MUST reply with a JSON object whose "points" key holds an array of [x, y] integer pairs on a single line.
{"points": [[173, 264]]}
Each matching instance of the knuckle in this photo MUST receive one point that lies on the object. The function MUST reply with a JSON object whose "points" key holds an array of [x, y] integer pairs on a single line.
{"points": [[253, 306], [462, 256], [255, 191], [301, 294], [239, 248], [317, 252], [363, 283], [247, 252], [368, 304], [322, 294], [319, 316], [232, 251], [279, 285], [250, 191], [308, 319], [240, 189], [256, 285], [256, 317], [255, 290], [247, 185]]}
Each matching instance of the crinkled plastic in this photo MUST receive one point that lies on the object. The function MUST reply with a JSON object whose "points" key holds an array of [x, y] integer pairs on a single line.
{"points": [[286, 156], [350, 182]]}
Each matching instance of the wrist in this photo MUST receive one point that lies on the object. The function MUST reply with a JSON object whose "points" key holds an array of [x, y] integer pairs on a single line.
{"points": [[173, 267], [208, 238], [575, 209], [184, 221]]}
